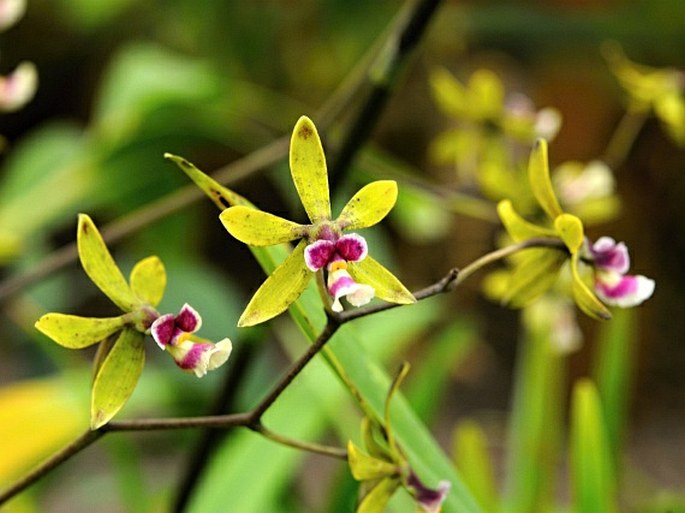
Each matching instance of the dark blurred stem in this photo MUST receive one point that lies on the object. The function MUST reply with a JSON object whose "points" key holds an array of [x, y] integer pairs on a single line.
{"points": [[624, 137], [211, 438], [382, 76]]}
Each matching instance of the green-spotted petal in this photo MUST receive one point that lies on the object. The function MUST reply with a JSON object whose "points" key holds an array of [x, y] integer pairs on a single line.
{"points": [[148, 280], [540, 182], [279, 290], [117, 377], [259, 228], [77, 332], [584, 297], [376, 500], [223, 197], [100, 266], [535, 272], [570, 229], [365, 467], [517, 227], [386, 285], [371, 204], [308, 169]]}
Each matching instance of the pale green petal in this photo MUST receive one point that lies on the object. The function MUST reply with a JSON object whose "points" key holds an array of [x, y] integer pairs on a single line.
{"points": [[376, 500], [486, 94], [584, 297], [100, 266], [570, 229], [535, 272], [259, 228], [365, 467], [77, 332], [117, 377], [223, 197], [540, 182], [148, 280], [449, 93], [517, 227], [386, 285], [308, 169], [279, 290], [371, 204]]}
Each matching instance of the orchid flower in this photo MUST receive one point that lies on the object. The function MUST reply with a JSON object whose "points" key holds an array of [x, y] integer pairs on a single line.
{"points": [[323, 244], [121, 354]]}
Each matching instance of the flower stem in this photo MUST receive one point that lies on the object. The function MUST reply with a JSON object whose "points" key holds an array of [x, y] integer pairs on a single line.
{"points": [[326, 450]]}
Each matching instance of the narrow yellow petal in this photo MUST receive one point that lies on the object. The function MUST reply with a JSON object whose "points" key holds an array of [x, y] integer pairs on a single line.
{"points": [[364, 466], [280, 289], [386, 285], [540, 181], [148, 280], [100, 266], [77, 332], [259, 228], [117, 377], [584, 297], [517, 227], [371, 204], [308, 169], [379, 496]]}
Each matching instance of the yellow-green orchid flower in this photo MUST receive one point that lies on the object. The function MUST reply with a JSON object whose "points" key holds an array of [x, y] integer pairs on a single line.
{"points": [[323, 246], [536, 269]]}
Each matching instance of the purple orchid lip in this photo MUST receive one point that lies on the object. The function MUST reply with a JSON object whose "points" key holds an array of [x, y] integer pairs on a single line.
{"points": [[320, 253], [429, 499], [609, 255], [167, 328]]}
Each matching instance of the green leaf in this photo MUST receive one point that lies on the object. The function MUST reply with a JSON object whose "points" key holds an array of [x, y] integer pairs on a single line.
{"points": [[117, 377], [369, 206], [258, 228], [387, 286], [584, 297], [100, 266], [594, 484], [148, 280], [470, 449], [222, 197], [365, 467], [517, 227], [308, 169], [540, 181], [77, 332], [536, 271], [376, 500], [570, 229], [279, 290]]}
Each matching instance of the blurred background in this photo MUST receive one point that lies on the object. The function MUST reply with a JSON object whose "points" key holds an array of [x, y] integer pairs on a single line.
{"points": [[122, 82]]}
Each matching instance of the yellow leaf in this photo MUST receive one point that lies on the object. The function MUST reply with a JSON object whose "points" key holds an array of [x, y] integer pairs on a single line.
{"points": [[371, 204], [540, 182], [309, 172], [517, 227], [77, 332], [148, 280], [37, 417], [100, 266], [259, 228], [117, 377], [279, 290], [387, 286]]}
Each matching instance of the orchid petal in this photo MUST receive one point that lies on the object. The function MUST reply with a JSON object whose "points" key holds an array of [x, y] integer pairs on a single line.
{"points": [[609, 255], [162, 330], [623, 291], [188, 319], [17, 88], [369, 205], [279, 290], [259, 228], [352, 247], [318, 254], [365, 467], [386, 285], [570, 229], [540, 182], [117, 377], [308, 169], [148, 280], [536, 271], [376, 500], [100, 267], [449, 93], [77, 332], [517, 227], [584, 297]]}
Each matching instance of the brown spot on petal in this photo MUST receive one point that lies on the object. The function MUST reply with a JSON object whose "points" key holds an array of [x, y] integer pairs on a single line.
{"points": [[305, 131]]}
